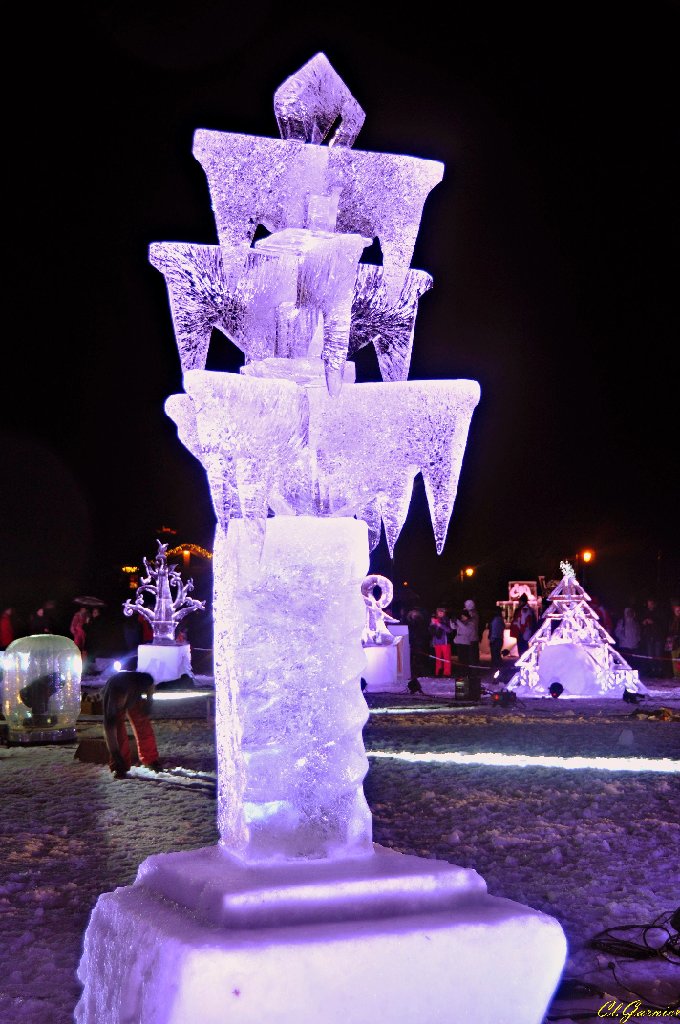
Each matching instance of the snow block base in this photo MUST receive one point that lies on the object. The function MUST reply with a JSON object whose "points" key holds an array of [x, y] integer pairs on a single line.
{"points": [[149, 960]]}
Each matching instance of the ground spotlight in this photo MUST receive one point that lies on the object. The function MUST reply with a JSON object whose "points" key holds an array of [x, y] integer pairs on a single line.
{"points": [[556, 689], [504, 698]]}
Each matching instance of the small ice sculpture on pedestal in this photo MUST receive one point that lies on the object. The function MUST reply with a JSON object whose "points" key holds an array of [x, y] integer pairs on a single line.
{"points": [[296, 915], [383, 650], [164, 658], [376, 633]]}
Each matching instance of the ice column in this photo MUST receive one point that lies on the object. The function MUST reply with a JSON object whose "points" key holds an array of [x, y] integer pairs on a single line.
{"points": [[288, 658], [294, 450]]}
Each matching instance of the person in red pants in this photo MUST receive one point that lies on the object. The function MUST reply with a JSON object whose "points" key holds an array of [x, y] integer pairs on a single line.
{"points": [[128, 696], [441, 631]]}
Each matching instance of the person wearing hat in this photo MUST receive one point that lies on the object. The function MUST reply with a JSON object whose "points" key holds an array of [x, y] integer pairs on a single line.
{"points": [[470, 607]]}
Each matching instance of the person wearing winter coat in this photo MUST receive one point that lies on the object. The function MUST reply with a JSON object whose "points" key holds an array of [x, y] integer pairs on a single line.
{"points": [[653, 635], [496, 637], [523, 624], [474, 643], [441, 631], [8, 628], [673, 637], [465, 633], [627, 632], [602, 613], [128, 696], [78, 630]]}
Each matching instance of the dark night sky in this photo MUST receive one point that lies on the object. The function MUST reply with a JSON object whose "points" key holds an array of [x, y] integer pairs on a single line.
{"points": [[550, 241]]}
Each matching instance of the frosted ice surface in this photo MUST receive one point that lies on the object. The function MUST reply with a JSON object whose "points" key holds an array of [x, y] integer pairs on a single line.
{"points": [[291, 759], [380, 194], [388, 326], [240, 296], [326, 271], [268, 443], [372, 440], [245, 431], [254, 303], [310, 101]]}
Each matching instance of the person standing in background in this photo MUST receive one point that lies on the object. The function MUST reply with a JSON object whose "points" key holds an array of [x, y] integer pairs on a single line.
{"points": [[45, 618], [78, 630], [441, 631], [9, 629], [523, 624], [653, 634], [627, 632], [465, 631], [471, 608], [418, 639], [602, 614], [496, 636], [673, 637]]}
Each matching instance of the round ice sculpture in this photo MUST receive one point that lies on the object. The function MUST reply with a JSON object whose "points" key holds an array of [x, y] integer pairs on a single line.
{"points": [[41, 688]]}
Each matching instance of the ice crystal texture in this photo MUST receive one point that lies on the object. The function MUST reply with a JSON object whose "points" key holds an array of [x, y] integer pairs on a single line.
{"points": [[241, 299], [290, 711], [310, 101], [305, 467]]}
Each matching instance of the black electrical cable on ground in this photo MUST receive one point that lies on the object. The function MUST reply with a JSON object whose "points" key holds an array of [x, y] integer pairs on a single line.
{"points": [[610, 940]]}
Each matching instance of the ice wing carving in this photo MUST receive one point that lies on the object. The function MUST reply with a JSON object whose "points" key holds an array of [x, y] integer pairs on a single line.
{"points": [[245, 305]]}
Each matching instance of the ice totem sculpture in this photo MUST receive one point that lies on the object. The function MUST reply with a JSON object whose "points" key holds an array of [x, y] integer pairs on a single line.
{"points": [[296, 916], [293, 435]]}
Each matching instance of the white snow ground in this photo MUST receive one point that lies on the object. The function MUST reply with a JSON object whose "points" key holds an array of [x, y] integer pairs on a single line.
{"points": [[594, 848]]}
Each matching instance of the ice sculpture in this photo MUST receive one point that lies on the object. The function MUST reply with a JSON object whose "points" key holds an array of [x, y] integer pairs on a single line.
{"points": [[376, 633], [571, 647], [285, 436], [305, 468], [41, 688], [168, 610]]}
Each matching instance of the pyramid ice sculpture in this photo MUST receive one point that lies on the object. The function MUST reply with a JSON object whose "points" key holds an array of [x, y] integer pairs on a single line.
{"points": [[305, 467], [571, 647]]}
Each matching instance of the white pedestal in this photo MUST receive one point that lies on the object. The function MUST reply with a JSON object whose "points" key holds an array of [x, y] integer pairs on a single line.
{"points": [[385, 938], [164, 663], [382, 670], [403, 652]]}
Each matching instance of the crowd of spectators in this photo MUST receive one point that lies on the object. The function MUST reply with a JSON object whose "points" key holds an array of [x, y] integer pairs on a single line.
{"points": [[445, 642]]}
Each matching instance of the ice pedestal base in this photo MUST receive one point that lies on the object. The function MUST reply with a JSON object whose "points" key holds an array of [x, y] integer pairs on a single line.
{"points": [[381, 672], [200, 939], [164, 663]]}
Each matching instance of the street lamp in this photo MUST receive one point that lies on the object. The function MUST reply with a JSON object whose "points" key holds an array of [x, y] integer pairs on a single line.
{"points": [[466, 573], [584, 558]]}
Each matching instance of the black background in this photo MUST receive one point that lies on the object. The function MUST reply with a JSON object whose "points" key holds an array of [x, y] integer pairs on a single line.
{"points": [[551, 241]]}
